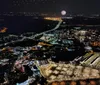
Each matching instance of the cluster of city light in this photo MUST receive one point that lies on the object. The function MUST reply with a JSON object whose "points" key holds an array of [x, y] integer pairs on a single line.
{"points": [[53, 18], [73, 72], [96, 43], [3, 30]]}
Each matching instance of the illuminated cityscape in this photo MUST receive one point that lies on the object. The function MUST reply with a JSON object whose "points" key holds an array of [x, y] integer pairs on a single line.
{"points": [[49, 42]]}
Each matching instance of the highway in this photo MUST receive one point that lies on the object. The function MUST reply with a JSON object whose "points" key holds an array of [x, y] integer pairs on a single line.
{"points": [[55, 28], [34, 36]]}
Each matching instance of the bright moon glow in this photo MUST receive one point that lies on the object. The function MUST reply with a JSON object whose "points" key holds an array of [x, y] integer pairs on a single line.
{"points": [[63, 12]]}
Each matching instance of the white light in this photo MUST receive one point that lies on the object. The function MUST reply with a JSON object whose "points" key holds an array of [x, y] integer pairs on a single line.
{"points": [[63, 12]]}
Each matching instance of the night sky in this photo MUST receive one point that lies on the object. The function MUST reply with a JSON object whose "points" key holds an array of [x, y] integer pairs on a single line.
{"points": [[51, 6]]}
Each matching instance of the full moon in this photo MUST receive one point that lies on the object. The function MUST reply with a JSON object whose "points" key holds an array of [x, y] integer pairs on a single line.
{"points": [[63, 12]]}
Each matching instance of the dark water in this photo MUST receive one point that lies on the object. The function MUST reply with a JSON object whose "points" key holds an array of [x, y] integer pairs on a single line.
{"points": [[20, 24]]}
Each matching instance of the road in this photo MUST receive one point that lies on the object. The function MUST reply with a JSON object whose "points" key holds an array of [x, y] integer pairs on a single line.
{"points": [[34, 36], [57, 26]]}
